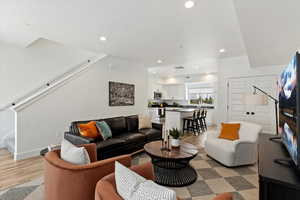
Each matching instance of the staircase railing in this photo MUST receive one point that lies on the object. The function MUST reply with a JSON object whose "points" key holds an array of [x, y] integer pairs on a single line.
{"points": [[34, 94]]}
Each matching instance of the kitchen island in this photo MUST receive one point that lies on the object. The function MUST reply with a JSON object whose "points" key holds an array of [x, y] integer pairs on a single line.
{"points": [[174, 117]]}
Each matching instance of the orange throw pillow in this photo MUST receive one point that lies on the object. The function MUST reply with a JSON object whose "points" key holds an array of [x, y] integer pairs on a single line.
{"points": [[230, 131], [89, 130]]}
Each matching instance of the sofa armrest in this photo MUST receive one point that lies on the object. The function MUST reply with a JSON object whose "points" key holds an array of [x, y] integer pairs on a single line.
{"points": [[145, 170], [92, 151], [157, 126], [107, 166], [246, 152], [106, 187], [249, 144], [213, 134], [238, 143], [106, 191], [78, 139]]}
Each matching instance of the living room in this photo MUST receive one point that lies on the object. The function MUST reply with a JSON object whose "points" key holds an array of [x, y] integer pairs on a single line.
{"points": [[185, 93]]}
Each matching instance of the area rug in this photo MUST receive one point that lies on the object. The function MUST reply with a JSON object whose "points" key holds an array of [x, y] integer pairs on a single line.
{"points": [[213, 179]]}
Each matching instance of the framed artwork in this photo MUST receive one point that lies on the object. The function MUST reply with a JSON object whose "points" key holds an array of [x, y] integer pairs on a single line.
{"points": [[121, 94]]}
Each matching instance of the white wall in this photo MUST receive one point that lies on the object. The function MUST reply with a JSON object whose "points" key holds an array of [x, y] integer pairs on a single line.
{"points": [[7, 125], [161, 84], [83, 98], [237, 67], [153, 85], [24, 69]]}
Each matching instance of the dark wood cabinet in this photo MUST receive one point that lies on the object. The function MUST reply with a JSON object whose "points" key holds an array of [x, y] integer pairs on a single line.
{"points": [[276, 181]]}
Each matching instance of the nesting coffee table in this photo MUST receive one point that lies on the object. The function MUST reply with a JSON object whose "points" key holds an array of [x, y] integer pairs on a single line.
{"points": [[172, 168]]}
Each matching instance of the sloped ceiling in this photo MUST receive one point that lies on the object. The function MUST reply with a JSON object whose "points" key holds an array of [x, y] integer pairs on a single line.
{"points": [[148, 30], [270, 29]]}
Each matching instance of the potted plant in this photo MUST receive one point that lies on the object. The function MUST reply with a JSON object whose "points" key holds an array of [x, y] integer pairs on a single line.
{"points": [[175, 134]]}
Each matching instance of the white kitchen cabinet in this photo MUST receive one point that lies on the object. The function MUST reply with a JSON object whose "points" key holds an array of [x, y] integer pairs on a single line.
{"points": [[176, 91]]}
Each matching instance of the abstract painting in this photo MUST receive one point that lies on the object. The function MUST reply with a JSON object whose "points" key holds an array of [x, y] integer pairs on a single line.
{"points": [[121, 94]]}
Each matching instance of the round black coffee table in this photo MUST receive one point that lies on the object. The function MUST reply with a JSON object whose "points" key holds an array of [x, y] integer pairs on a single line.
{"points": [[172, 168]]}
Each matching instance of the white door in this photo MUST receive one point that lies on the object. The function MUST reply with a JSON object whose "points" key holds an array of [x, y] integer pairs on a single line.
{"points": [[260, 114]]}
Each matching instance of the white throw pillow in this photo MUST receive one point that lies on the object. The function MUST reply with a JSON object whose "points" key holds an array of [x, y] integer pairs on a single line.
{"points": [[132, 186], [144, 122], [73, 154]]}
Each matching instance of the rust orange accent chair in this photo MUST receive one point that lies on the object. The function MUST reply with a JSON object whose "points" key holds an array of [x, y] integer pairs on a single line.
{"points": [[106, 187], [66, 181]]}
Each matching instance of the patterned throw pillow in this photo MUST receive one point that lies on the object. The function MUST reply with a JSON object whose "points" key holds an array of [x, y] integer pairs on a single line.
{"points": [[131, 186], [104, 129]]}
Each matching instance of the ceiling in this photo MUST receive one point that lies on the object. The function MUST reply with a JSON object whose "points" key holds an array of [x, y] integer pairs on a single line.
{"points": [[270, 30], [207, 66], [148, 30]]}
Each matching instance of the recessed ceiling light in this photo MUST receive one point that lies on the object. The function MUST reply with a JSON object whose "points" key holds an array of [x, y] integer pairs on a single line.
{"points": [[103, 39], [189, 4], [159, 61], [222, 50]]}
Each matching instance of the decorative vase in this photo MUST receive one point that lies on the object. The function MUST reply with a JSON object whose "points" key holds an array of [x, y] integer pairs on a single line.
{"points": [[175, 142]]}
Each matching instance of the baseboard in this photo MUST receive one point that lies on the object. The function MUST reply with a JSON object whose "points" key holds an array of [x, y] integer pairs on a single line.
{"points": [[11, 149], [27, 154]]}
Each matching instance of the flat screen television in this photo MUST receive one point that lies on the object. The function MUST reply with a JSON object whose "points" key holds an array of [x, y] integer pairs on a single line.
{"points": [[289, 108]]}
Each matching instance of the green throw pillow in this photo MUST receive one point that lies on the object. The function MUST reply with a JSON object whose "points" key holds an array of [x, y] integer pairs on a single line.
{"points": [[104, 129]]}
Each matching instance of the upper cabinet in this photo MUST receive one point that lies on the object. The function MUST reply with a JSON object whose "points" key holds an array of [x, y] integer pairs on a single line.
{"points": [[176, 92]]}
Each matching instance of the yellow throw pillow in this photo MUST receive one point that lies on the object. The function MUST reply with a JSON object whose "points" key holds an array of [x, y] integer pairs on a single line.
{"points": [[89, 130], [230, 131]]}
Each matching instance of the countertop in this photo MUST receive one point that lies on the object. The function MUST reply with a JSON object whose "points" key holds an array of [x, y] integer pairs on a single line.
{"points": [[181, 109]]}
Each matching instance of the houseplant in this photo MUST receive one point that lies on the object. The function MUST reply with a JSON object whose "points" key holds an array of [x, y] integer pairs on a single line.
{"points": [[175, 134]]}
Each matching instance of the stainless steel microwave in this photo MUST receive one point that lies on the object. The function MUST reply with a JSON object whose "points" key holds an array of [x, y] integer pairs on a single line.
{"points": [[157, 95]]}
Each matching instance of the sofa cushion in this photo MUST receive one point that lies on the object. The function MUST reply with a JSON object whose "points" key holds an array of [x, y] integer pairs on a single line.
{"points": [[151, 133], [132, 123], [117, 125], [230, 131], [110, 144], [104, 129], [144, 121], [132, 186], [132, 138], [73, 154], [89, 130]]}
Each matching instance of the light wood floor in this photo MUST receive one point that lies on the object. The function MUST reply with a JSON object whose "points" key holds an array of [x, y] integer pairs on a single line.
{"points": [[17, 172]]}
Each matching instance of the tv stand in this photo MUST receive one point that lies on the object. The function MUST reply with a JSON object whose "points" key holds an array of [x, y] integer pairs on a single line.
{"points": [[276, 181]]}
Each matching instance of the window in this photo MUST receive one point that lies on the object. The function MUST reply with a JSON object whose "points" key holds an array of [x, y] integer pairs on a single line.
{"points": [[201, 93]]}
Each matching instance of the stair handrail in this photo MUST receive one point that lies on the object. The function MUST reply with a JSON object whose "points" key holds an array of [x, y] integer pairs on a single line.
{"points": [[59, 80]]}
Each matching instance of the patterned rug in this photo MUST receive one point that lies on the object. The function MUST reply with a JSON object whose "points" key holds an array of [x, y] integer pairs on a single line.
{"points": [[213, 179]]}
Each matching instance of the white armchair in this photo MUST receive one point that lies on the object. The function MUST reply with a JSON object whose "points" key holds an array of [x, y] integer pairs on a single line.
{"points": [[238, 152]]}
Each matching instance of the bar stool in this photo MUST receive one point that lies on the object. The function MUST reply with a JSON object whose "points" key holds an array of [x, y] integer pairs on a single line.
{"points": [[191, 124], [203, 119], [199, 120]]}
